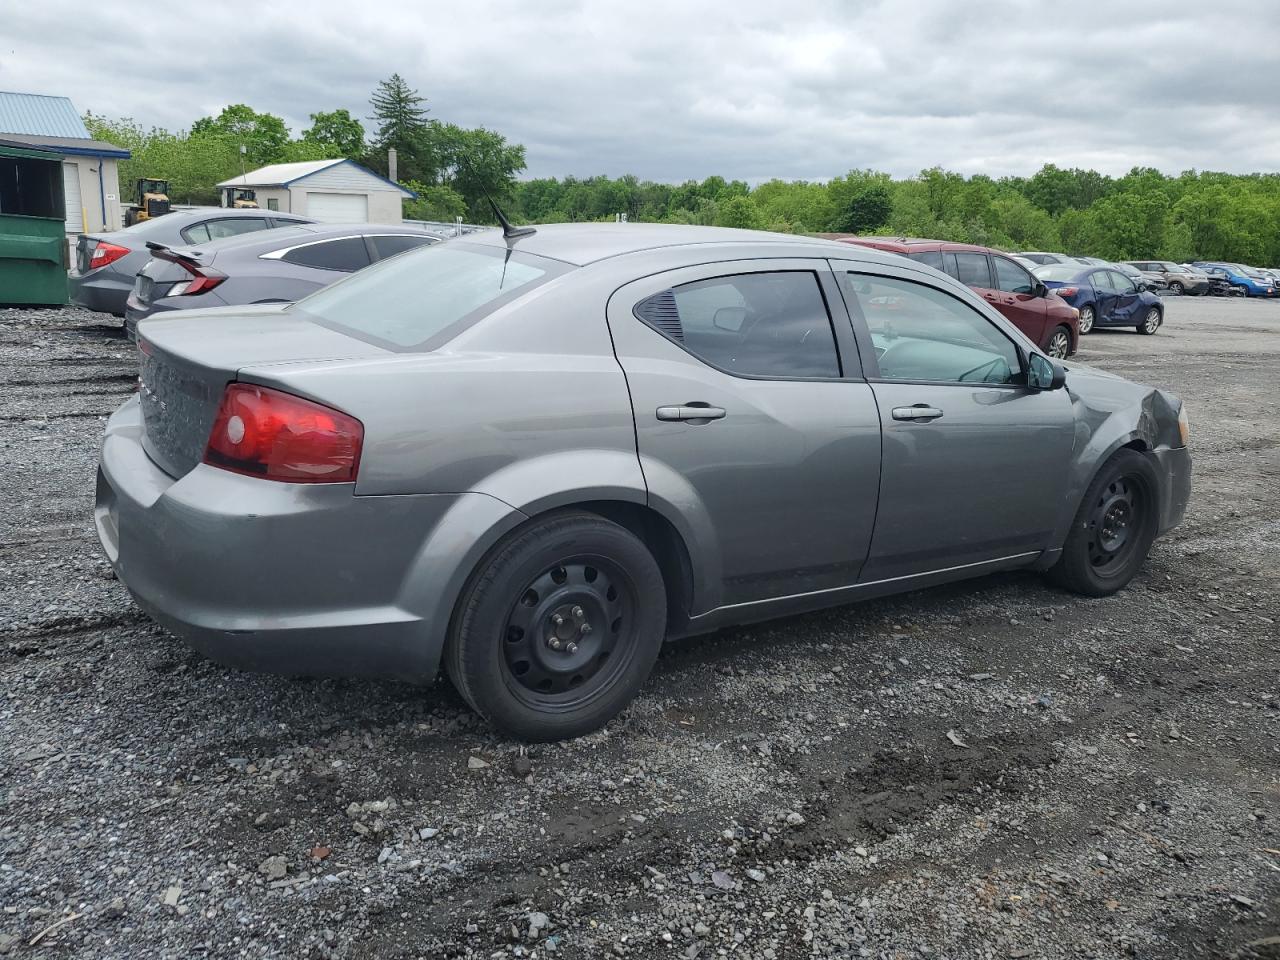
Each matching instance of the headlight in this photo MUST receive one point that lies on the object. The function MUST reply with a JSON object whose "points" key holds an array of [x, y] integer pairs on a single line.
{"points": [[1184, 425]]}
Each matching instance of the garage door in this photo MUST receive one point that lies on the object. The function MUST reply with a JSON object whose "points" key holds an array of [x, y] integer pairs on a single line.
{"points": [[338, 207], [71, 191]]}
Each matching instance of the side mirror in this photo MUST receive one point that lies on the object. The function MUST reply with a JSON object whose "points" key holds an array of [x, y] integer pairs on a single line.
{"points": [[1041, 290], [1044, 374]]}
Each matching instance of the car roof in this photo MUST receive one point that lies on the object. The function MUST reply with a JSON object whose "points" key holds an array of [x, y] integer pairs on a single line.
{"points": [[585, 243], [305, 233], [909, 244]]}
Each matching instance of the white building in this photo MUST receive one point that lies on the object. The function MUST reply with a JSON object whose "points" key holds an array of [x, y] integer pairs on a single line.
{"points": [[90, 175], [338, 191]]}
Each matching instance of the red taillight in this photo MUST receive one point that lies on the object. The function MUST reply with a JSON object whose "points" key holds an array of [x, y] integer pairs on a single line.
{"points": [[105, 253], [1065, 291], [274, 435]]}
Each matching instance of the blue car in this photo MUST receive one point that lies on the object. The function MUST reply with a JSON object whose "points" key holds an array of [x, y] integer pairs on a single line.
{"points": [[1244, 280], [1104, 296]]}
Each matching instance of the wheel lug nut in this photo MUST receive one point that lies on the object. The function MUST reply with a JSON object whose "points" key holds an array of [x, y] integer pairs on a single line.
{"points": [[557, 619], [555, 643], [586, 628], [571, 647], [577, 612]]}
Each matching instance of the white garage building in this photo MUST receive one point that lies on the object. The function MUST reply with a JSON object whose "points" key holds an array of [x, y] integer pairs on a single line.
{"points": [[337, 191]]}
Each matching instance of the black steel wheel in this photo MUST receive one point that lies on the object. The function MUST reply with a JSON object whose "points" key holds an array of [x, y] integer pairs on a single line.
{"points": [[1087, 316], [558, 627], [1114, 527], [1060, 344]]}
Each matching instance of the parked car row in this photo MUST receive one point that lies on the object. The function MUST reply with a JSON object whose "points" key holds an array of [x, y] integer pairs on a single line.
{"points": [[167, 263]]}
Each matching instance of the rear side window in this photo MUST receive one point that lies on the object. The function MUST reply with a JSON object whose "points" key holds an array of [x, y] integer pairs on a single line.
{"points": [[424, 298], [226, 227], [772, 325], [388, 245], [1011, 278], [347, 254], [972, 270], [932, 258]]}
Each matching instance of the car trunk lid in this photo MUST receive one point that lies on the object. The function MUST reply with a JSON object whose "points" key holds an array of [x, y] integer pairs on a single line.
{"points": [[187, 362]]}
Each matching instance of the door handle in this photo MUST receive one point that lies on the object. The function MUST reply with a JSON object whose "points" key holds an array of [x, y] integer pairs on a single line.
{"points": [[920, 413], [695, 412]]}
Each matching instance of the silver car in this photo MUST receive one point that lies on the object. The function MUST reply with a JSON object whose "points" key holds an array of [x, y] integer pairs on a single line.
{"points": [[106, 263], [535, 457], [275, 267]]}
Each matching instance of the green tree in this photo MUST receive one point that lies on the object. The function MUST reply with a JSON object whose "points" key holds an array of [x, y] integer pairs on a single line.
{"points": [[402, 125], [337, 132], [434, 202], [476, 162], [865, 212], [263, 135], [739, 211]]}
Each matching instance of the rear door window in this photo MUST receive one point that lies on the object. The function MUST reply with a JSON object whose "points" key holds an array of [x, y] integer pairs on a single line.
{"points": [[346, 254], [772, 325], [1011, 278], [932, 258], [972, 270]]}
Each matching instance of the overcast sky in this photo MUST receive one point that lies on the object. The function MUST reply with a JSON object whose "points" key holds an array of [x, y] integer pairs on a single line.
{"points": [[671, 90]]}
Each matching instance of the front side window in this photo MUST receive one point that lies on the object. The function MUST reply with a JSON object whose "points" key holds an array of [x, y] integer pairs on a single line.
{"points": [[1011, 278], [424, 298], [972, 270], [347, 254], [1121, 283], [752, 324], [1101, 280], [921, 333]]}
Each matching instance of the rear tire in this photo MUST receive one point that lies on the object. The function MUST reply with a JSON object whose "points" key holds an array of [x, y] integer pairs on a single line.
{"points": [[558, 627], [1059, 346], [1113, 529], [1152, 323], [1087, 316]]}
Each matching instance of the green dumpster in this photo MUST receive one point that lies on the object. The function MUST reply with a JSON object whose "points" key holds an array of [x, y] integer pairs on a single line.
{"points": [[33, 239]]}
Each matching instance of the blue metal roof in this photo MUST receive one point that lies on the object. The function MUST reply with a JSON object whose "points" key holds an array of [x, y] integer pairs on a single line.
{"points": [[39, 115]]}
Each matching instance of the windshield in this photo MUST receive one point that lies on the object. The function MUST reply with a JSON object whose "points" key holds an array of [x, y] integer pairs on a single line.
{"points": [[1058, 272], [421, 299]]}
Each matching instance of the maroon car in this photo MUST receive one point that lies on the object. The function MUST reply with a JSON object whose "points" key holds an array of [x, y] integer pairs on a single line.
{"points": [[1044, 317]]}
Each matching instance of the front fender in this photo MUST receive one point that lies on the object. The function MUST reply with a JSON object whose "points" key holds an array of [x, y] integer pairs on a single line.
{"points": [[1111, 413]]}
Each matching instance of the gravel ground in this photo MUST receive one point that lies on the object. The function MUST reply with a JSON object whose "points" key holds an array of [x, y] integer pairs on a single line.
{"points": [[991, 769]]}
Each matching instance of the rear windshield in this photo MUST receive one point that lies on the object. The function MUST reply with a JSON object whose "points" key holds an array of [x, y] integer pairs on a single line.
{"points": [[423, 298], [1057, 271]]}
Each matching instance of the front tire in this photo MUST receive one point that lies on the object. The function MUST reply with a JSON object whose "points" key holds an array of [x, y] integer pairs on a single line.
{"points": [[1113, 529], [1087, 316], [558, 628], [1175, 287], [1152, 323]]}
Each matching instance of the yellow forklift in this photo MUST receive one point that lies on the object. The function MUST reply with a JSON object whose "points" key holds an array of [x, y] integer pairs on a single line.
{"points": [[153, 201], [239, 198]]}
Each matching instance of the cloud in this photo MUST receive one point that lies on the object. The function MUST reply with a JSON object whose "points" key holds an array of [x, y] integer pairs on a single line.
{"points": [[673, 90]]}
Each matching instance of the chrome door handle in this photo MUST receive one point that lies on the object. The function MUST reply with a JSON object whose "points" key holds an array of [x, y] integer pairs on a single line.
{"points": [[920, 413], [695, 412]]}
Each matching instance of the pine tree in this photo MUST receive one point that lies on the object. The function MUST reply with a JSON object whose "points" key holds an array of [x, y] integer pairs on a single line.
{"points": [[399, 112]]}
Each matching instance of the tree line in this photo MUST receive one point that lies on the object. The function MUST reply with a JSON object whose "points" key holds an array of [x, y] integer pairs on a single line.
{"points": [[1192, 216], [1196, 215]]}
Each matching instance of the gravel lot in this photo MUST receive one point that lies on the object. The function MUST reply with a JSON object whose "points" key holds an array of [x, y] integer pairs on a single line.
{"points": [[992, 769]]}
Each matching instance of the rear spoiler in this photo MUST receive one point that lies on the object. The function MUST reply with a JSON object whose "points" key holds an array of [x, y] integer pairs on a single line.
{"points": [[174, 254]]}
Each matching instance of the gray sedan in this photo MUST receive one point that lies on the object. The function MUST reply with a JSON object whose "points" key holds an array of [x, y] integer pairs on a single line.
{"points": [[277, 267], [106, 263], [533, 457]]}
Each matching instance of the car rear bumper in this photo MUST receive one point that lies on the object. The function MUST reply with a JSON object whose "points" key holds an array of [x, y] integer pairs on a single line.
{"points": [[1175, 475], [102, 290], [297, 579]]}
